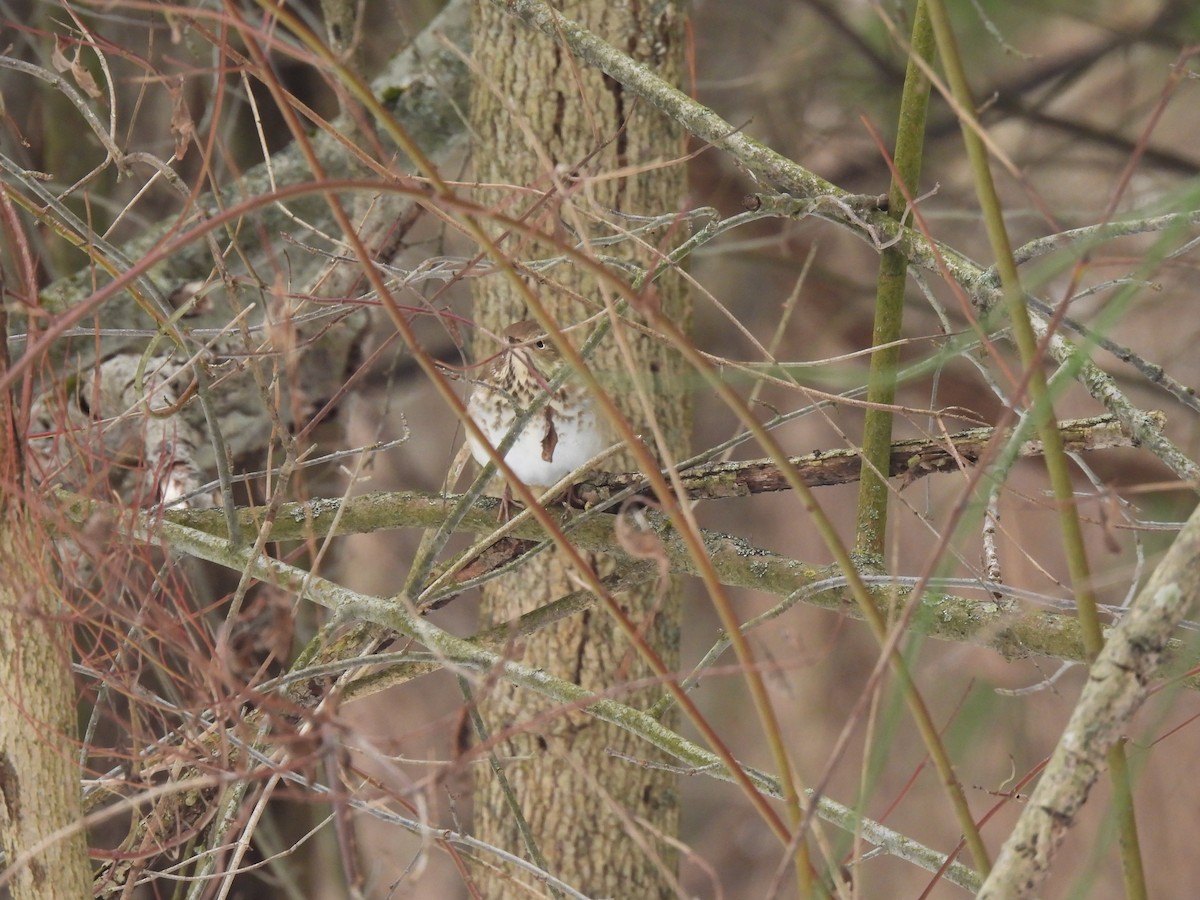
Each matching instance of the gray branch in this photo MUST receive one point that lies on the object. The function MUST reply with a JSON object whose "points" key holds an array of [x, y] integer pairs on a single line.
{"points": [[1116, 687]]}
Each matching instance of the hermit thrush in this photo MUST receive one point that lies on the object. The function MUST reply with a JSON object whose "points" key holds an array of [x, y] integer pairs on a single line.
{"points": [[562, 436]]}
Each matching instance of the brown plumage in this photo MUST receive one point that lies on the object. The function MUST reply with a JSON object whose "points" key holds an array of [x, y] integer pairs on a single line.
{"points": [[564, 434]]}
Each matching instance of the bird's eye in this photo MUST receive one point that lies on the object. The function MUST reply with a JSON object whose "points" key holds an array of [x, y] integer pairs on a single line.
{"points": [[541, 345]]}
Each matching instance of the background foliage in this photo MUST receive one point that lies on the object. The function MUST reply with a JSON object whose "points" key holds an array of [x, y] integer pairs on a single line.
{"points": [[133, 143]]}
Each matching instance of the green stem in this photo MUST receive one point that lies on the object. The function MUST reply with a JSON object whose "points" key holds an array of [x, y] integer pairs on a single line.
{"points": [[1042, 410], [871, 527], [889, 299]]}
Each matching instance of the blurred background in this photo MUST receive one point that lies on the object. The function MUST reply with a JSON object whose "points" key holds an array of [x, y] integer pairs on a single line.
{"points": [[1095, 106]]}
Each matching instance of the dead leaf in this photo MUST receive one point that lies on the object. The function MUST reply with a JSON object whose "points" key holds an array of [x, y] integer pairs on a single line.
{"points": [[182, 125], [79, 72]]}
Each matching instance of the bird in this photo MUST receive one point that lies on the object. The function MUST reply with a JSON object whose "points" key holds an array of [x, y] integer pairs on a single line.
{"points": [[561, 437]]}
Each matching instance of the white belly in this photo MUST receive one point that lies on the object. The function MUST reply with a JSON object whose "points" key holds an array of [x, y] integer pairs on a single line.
{"points": [[542, 455]]}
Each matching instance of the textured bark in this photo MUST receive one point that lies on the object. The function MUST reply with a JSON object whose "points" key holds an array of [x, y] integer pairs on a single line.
{"points": [[39, 777], [565, 779]]}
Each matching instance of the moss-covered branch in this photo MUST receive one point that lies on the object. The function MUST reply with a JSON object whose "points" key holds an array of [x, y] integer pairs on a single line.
{"points": [[1010, 631]]}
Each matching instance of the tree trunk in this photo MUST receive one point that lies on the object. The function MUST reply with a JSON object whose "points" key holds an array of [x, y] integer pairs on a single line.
{"points": [[597, 820], [39, 774]]}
